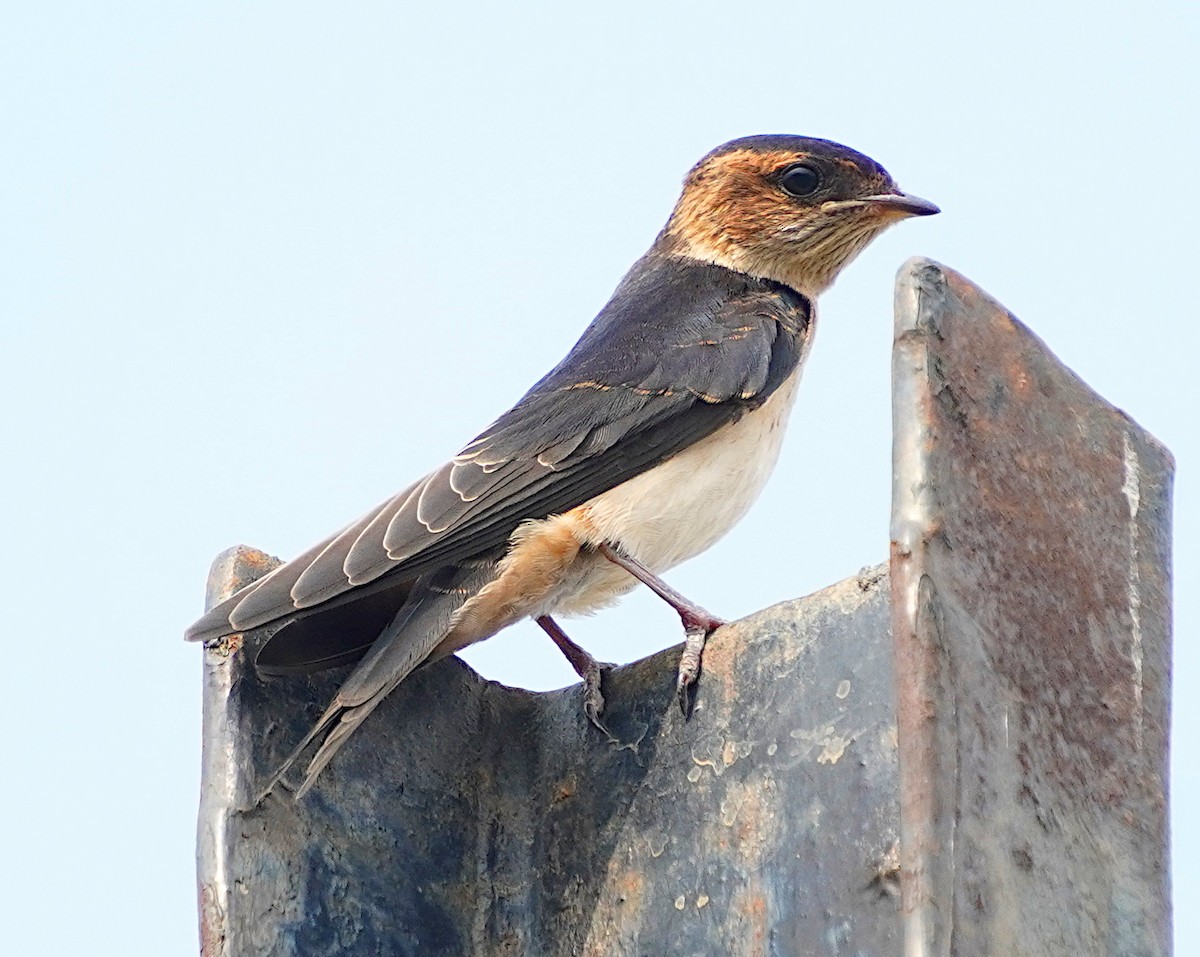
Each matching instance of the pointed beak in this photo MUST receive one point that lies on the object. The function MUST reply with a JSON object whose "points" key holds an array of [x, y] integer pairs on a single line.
{"points": [[901, 203]]}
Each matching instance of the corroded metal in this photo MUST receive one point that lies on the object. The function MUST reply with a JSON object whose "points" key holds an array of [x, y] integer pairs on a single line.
{"points": [[468, 818], [226, 751], [1031, 581]]}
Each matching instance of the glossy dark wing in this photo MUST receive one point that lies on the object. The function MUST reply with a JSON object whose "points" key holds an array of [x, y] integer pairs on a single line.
{"points": [[681, 349]]}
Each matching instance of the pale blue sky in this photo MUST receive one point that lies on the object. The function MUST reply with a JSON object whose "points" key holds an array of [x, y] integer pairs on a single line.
{"points": [[266, 262]]}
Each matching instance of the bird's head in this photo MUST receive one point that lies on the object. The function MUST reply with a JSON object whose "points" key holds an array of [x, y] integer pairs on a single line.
{"points": [[787, 208]]}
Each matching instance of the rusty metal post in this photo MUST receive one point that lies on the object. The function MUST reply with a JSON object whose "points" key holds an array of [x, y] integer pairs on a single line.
{"points": [[1031, 616], [467, 818], [228, 744]]}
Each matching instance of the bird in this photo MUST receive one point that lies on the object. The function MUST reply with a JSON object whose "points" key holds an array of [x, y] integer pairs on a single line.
{"points": [[638, 451]]}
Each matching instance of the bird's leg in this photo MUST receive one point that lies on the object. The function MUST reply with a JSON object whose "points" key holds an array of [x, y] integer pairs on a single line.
{"points": [[587, 667], [698, 623]]}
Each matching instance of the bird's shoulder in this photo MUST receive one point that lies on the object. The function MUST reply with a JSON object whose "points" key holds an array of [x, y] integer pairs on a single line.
{"points": [[670, 308], [676, 331]]}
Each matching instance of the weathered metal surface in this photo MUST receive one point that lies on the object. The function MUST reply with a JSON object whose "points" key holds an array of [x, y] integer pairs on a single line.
{"points": [[223, 776], [470, 818], [1031, 577]]}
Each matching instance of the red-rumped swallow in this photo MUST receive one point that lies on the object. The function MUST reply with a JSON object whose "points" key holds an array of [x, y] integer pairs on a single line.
{"points": [[639, 450]]}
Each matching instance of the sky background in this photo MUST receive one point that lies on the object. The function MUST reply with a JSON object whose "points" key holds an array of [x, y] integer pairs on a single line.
{"points": [[265, 263]]}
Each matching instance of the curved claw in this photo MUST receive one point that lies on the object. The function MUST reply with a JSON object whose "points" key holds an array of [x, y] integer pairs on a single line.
{"points": [[689, 668], [685, 692], [587, 667], [593, 697]]}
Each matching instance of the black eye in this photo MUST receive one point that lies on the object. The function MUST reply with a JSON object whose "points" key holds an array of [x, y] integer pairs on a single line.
{"points": [[800, 180]]}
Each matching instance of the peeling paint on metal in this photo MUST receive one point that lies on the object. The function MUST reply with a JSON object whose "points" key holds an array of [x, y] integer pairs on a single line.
{"points": [[833, 750]]}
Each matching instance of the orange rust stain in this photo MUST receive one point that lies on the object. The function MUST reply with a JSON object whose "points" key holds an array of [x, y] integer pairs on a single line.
{"points": [[752, 906], [720, 657], [747, 826], [249, 565], [566, 789], [756, 906], [258, 559], [631, 882], [212, 924], [227, 646]]}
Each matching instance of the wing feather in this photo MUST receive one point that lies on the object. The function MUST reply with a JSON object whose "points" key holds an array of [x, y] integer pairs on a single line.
{"points": [[679, 351]]}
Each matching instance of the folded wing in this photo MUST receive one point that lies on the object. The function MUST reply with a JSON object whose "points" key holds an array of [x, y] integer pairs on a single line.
{"points": [[681, 350]]}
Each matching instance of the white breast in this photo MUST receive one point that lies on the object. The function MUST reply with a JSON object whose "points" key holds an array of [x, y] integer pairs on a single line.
{"points": [[683, 506], [677, 509]]}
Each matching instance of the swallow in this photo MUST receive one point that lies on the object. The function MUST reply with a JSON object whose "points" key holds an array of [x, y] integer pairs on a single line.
{"points": [[638, 451]]}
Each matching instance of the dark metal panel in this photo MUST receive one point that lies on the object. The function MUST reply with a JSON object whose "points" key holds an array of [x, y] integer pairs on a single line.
{"points": [[1031, 576], [470, 818]]}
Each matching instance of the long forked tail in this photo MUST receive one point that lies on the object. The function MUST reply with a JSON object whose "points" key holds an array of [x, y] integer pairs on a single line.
{"points": [[411, 636]]}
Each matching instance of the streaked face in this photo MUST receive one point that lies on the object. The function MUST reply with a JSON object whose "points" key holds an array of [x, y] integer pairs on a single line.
{"points": [[791, 209]]}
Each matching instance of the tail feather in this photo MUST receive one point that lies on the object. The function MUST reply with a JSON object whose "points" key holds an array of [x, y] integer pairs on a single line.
{"points": [[346, 726], [417, 629]]}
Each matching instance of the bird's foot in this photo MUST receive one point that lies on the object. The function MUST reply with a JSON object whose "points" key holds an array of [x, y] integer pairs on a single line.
{"points": [[698, 623], [587, 667], [689, 662], [593, 694]]}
